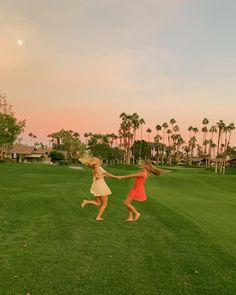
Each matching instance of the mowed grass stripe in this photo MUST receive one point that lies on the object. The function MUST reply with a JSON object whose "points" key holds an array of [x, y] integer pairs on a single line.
{"points": [[50, 246]]}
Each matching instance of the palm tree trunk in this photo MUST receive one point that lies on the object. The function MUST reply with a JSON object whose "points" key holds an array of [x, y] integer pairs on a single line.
{"points": [[229, 139], [158, 157], [217, 151], [140, 146], [162, 155], [224, 167], [164, 133]]}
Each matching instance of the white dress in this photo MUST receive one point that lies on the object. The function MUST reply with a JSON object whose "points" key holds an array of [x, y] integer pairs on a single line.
{"points": [[99, 187]]}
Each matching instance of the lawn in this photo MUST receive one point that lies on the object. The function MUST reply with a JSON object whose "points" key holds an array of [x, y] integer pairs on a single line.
{"points": [[184, 242]]}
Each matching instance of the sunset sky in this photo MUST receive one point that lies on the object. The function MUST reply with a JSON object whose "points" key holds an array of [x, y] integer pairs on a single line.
{"points": [[82, 63]]}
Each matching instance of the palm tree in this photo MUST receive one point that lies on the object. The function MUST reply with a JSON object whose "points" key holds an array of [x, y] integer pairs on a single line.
{"points": [[158, 147], [204, 147], [169, 144], [157, 138], [187, 150], [220, 126], [141, 123], [158, 128], [190, 129], [192, 145], [31, 136], [163, 150], [120, 139], [34, 138], [205, 122], [115, 137], [192, 142], [135, 125], [125, 131], [195, 130], [172, 122], [149, 131], [179, 142], [176, 128], [122, 133], [213, 147], [231, 127], [168, 133], [212, 130], [129, 124], [228, 130], [204, 142], [86, 136], [204, 132], [165, 126]]}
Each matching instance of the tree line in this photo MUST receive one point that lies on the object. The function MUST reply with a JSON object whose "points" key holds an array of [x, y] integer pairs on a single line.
{"points": [[167, 147]]}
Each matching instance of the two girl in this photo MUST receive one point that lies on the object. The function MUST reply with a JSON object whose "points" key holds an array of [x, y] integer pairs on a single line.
{"points": [[101, 191]]}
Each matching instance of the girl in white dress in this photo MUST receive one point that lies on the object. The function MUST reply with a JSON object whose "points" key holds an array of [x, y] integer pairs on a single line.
{"points": [[99, 188]]}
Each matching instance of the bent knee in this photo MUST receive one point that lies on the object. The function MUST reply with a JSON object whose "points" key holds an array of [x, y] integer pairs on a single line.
{"points": [[126, 202], [98, 203]]}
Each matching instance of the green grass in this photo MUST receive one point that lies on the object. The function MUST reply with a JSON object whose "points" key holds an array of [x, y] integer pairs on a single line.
{"points": [[184, 242]]}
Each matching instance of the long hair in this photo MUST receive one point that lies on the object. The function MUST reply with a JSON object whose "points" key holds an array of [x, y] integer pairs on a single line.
{"points": [[152, 169], [88, 160]]}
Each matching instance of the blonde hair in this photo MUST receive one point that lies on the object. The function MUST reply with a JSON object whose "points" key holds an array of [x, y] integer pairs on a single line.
{"points": [[152, 169], [88, 160]]}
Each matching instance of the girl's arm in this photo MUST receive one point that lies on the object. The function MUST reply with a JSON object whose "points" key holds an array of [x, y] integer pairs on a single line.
{"points": [[134, 175], [110, 175]]}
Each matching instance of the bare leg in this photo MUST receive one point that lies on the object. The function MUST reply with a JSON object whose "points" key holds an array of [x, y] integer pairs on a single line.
{"points": [[104, 201], [96, 202], [130, 218], [131, 209]]}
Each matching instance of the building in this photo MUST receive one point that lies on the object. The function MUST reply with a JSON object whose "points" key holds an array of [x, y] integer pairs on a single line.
{"points": [[232, 162], [25, 153]]}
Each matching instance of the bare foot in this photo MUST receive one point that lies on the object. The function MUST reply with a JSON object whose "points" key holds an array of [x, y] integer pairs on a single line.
{"points": [[137, 216], [99, 219], [129, 219], [82, 204]]}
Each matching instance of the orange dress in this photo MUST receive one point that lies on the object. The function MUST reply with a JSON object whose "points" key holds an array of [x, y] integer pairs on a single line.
{"points": [[137, 192]]}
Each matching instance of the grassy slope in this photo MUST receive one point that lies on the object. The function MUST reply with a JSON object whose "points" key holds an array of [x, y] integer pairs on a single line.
{"points": [[183, 244]]}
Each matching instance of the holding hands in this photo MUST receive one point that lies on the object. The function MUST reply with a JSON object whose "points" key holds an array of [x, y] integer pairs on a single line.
{"points": [[119, 177]]}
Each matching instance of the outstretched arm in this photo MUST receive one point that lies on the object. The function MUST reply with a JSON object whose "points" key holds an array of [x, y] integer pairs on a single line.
{"points": [[134, 175], [110, 175]]}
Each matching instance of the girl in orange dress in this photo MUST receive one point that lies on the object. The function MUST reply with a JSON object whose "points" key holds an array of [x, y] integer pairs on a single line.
{"points": [[137, 192]]}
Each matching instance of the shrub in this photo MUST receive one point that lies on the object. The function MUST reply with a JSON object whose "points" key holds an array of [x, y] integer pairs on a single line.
{"points": [[56, 156], [63, 162], [6, 160]]}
